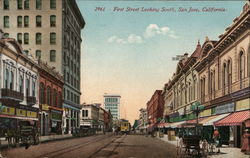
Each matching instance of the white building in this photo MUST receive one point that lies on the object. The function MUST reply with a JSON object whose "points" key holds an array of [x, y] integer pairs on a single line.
{"points": [[112, 103], [89, 116], [50, 30], [18, 85]]}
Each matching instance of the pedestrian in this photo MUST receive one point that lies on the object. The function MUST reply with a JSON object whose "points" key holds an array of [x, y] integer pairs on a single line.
{"points": [[245, 144], [216, 137]]}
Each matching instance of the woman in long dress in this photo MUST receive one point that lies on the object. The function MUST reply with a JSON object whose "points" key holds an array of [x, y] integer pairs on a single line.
{"points": [[245, 145]]}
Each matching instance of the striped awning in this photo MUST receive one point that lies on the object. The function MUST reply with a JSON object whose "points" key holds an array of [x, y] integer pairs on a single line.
{"points": [[162, 125], [234, 119], [209, 121]]}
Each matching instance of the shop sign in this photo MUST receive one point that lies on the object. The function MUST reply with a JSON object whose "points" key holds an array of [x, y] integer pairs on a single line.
{"points": [[31, 114], [243, 104], [56, 115], [7, 110], [45, 107], [226, 108], [21, 112], [205, 113]]}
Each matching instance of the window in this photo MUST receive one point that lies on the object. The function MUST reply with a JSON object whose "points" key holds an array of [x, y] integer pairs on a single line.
{"points": [[241, 67], [55, 98], [27, 87], [19, 21], [52, 21], [6, 4], [26, 21], [52, 4], [6, 35], [38, 38], [19, 4], [26, 4], [6, 21], [19, 38], [59, 102], [42, 93], [224, 76], [39, 4], [38, 54], [38, 21], [6, 78], [229, 74], [48, 95], [52, 38], [26, 38], [11, 80], [33, 88], [21, 84], [52, 56]]}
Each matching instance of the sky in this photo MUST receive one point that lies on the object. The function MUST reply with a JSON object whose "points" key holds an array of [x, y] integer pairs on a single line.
{"points": [[129, 52]]}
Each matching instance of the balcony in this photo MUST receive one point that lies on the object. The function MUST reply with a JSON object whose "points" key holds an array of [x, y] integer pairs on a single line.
{"points": [[31, 100], [9, 94]]}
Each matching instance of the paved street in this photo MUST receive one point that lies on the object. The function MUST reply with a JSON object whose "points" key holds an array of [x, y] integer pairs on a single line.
{"points": [[109, 145]]}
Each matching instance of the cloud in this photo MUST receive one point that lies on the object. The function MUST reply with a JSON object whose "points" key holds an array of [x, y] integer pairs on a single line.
{"points": [[132, 38], [151, 31]]}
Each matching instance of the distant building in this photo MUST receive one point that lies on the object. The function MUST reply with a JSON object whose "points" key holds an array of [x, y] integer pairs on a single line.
{"points": [[112, 103], [143, 120], [89, 116]]}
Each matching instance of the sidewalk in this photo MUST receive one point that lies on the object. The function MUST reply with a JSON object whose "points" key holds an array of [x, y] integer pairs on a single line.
{"points": [[43, 139], [225, 151]]}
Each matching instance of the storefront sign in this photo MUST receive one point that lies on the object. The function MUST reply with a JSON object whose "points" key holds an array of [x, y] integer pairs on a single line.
{"points": [[7, 110], [45, 107], [205, 113], [29, 108], [226, 108], [31, 114], [243, 104], [56, 115], [20, 112]]}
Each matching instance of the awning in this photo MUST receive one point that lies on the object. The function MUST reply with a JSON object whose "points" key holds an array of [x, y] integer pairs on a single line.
{"points": [[175, 124], [234, 119], [209, 121], [162, 125]]}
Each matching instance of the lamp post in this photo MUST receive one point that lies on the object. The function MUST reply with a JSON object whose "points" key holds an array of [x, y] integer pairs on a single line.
{"points": [[196, 107]]}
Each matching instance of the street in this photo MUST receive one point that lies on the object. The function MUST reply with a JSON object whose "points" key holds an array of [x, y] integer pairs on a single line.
{"points": [[109, 145]]}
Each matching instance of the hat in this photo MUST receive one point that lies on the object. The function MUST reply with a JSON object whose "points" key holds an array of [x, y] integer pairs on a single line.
{"points": [[246, 130]]}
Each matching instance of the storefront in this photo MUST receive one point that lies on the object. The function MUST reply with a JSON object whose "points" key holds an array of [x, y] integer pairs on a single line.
{"points": [[44, 119], [56, 121]]}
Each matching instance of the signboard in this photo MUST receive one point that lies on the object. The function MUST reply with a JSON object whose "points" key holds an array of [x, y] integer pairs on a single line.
{"points": [[20, 112], [205, 113], [243, 104], [7, 110], [31, 114], [45, 107], [226, 108]]}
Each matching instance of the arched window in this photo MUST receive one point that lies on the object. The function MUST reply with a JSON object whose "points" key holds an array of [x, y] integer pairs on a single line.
{"points": [[59, 102], [211, 82], [27, 87], [48, 95], [229, 75], [6, 78], [42, 93], [21, 84], [241, 68], [11, 80], [55, 98]]}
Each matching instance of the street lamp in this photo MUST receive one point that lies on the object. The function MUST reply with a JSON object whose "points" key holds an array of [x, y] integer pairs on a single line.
{"points": [[196, 107]]}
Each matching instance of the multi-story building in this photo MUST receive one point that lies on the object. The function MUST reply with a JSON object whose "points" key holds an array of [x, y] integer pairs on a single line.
{"points": [[112, 103], [215, 77], [143, 120], [155, 107], [50, 30], [18, 85], [50, 97], [108, 123], [89, 116]]}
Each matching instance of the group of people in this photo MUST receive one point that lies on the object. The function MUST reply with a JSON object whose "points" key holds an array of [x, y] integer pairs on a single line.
{"points": [[245, 140]]}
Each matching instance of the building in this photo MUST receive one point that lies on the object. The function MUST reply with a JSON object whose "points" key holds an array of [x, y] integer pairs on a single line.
{"points": [[90, 116], [155, 107], [50, 97], [112, 103], [143, 120], [101, 119], [19, 79], [215, 77], [108, 121], [50, 30]]}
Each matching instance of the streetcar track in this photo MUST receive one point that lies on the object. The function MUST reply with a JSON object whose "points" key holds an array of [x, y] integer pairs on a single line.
{"points": [[70, 148], [111, 153]]}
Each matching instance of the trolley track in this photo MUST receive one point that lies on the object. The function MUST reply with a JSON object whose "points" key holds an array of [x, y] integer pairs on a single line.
{"points": [[71, 148]]}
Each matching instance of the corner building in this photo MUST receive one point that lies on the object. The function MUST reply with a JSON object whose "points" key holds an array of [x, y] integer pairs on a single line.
{"points": [[50, 30]]}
